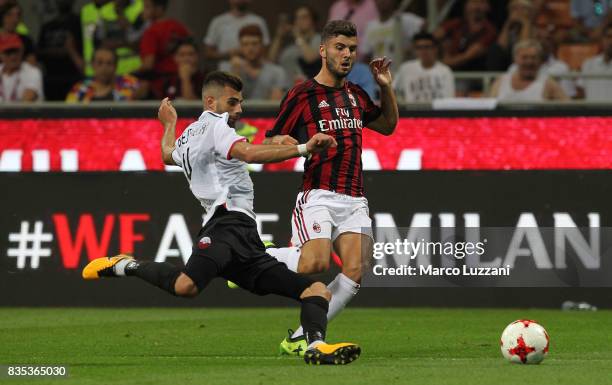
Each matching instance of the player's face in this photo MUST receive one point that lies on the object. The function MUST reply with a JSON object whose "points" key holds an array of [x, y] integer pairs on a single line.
{"points": [[230, 101], [339, 54], [251, 47], [528, 61]]}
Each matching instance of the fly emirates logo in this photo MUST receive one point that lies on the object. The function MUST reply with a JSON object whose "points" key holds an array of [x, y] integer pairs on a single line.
{"points": [[344, 121]]}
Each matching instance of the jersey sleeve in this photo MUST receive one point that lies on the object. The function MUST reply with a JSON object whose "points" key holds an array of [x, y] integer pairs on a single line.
{"points": [[371, 111], [287, 119], [225, 138], [177, 154]]}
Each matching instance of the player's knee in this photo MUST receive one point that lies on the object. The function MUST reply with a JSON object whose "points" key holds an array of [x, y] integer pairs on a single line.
{"points": [[314, 265], [317, 289], [185, 287]]}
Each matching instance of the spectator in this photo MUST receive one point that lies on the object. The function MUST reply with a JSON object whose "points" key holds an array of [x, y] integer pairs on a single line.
{"points": [[380, 35], [221, 41], [599, 89], [60, 51], [105, 85], [157, 44], [360, 12], [591, 17], [90, 15], [426, 78], [187, 83], [526, 84], [466, 40], [22, 29], [10, 19], [261, 79], [518, 27], [300, 59], [120, 27], [19, 80], [546, 34]]}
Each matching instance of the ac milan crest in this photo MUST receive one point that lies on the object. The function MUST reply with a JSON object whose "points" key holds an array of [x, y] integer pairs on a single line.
{"points": [[316, 227], [204, 243]]}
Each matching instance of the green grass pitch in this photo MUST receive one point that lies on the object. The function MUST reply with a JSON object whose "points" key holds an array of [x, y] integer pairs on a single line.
{"points": [[239, 346]]}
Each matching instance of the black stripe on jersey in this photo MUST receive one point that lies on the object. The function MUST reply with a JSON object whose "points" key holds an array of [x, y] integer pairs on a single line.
{"points": [[337, 162], [214, 114], [187, 165], [354, 150], [288, 105], [315, 112]]}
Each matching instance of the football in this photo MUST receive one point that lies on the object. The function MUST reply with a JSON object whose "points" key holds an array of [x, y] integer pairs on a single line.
{"points": [[524, 342]]}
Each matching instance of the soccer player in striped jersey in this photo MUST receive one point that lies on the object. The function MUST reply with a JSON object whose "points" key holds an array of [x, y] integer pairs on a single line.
{"points": [[214, 160], [331, 211]]}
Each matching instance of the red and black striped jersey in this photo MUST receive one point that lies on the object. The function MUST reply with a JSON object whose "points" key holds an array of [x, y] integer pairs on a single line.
{"points": [[343, 112]]}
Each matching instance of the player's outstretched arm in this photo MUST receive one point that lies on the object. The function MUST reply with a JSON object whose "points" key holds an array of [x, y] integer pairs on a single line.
{"points": [[167, 116], [280, 139], [386, 122], [257, 153]]}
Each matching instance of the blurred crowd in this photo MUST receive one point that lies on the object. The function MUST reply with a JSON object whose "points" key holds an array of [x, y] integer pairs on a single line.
{"points": [[122, 50]]}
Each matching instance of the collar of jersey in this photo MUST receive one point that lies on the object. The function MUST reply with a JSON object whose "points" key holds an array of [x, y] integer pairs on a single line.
{"points": [[224, 115]]}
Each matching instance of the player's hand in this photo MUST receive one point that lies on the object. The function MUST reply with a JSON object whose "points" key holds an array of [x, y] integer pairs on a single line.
{"points": [[320, 142], [284, 139], [166, 113], [380, 70]]}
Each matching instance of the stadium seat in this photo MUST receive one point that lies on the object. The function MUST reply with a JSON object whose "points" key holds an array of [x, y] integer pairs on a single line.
{"points": [[575, 54]]}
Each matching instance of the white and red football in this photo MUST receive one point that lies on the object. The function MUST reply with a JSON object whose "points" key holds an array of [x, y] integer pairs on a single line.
{"points": [[524, 342]]}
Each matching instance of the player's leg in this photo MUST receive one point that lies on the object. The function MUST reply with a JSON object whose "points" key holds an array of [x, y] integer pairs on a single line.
{"points": [[354, 245], [164, 275], [201, 268], [311, 226], [314, 297], [352, 241]]}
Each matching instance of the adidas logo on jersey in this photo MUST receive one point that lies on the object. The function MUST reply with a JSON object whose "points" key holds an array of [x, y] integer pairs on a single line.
{"points": [[323, 104]]}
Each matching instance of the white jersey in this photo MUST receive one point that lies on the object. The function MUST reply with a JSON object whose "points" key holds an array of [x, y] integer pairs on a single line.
{"points": [[418, 84], [215, 179], [533, 93]]}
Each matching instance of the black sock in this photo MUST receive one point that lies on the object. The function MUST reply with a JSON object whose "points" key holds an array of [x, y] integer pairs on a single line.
{"points": [[160, 274], [314, 318]]}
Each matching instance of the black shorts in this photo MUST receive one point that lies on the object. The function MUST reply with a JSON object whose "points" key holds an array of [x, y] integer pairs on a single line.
{"points": [[229, 246]]}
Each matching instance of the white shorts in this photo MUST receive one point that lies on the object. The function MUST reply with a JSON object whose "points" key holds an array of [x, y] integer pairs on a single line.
{"points": [[326, 214]]}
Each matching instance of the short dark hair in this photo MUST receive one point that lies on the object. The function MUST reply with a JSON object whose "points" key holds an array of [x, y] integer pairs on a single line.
{"points": [[222, 79], [335, 28], [250, 30], [184, 41], [160, 3], [424, 36]]}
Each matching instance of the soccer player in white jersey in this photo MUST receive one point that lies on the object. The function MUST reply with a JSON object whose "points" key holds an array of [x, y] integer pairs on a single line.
{"points": [[214, 159]]}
